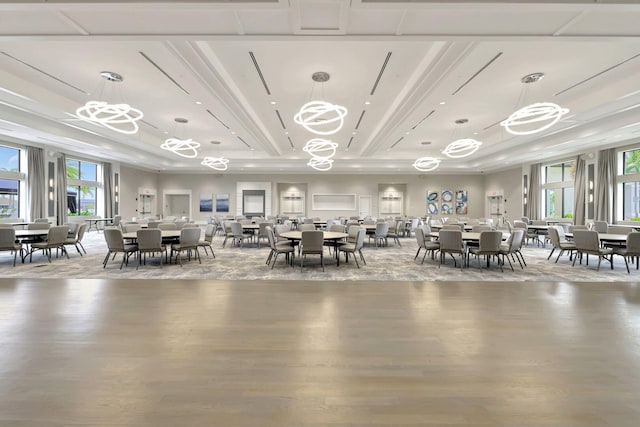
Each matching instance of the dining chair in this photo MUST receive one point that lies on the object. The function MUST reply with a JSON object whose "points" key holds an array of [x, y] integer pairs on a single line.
{"points": [[238, 236], [153, 224], [560, 243], [587, 242], [380, 235], [262, 233], [115, 245], [150, 242], [312, 243], [632, 249], [489, 245], [189, 238], [512, 246], [209, 232], [451, 243], [355, 247], [8, 243], [306, 227], [77, 239], [600, 226], [55, 240], [168, 226], [396, 228], [278, 248], [425, 243]]}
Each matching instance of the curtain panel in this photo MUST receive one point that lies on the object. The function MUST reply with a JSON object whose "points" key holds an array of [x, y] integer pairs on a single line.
{"points": [[36, 183], [605, 182], [107, 183], [579, 188], [533, 211], [61, 187]]}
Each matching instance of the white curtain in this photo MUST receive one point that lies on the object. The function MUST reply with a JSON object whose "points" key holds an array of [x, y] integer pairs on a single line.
{"points": [[107, 182], [605, 182], [36, 183], [579, 188], [61, 181], [533, 205]]}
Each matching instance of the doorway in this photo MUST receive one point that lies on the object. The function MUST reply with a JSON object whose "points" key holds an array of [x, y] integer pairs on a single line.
{"points": [[253, 203]]}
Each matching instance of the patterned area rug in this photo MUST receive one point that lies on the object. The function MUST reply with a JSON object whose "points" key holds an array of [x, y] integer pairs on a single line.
{"points": [[391, 263]]}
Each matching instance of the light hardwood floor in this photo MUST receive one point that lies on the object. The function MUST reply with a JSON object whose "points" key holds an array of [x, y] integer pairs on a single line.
{"points": [[257, 353]]}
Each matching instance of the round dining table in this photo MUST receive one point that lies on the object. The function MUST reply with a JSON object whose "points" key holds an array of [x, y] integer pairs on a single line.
{"points": [[331, 236]]}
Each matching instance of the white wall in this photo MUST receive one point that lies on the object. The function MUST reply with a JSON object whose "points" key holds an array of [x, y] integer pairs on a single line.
{"points": [[414, 198], [130, 181], [510, 183]]}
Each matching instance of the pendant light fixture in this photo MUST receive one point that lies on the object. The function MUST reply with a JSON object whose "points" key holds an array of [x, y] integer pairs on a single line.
{"points": [[426, 164], [461, 147], [217, 163], [119, 117], [321, 151], [318, 116], [182, 147], [536, 117]]}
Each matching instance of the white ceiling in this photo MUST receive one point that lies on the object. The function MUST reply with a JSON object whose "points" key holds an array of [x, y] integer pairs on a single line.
{"points": [[404, 58]]}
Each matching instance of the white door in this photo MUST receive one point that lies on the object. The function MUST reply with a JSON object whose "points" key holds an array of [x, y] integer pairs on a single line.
{"points": [[364, 206]]}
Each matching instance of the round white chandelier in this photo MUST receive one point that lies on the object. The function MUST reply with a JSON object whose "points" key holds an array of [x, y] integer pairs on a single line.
{"points": [[321, 117], [461, 148], [536, 117], [319, 147], [320, 163], [182, 147], [217, 163], [546, 112], [120, 117], [426, 164]]}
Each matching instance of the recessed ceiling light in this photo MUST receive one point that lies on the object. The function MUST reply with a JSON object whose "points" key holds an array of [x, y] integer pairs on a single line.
{"points": [[233, 133], [367, 103], [442, 103], [286, 132], [165, 132], [353, 133], [407, 133], [273, 102], [198, 102]]}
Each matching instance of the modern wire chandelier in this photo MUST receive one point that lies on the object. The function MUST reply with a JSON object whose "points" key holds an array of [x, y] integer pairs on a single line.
{"points": [[119, 117], [536, 117]]}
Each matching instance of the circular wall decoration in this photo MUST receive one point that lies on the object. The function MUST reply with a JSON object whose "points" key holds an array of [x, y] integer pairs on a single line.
{"points": [[447, 196], [432, 196]]}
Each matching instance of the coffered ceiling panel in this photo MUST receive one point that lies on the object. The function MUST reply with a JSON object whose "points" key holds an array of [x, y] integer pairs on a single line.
{"points": [[239, 72]]}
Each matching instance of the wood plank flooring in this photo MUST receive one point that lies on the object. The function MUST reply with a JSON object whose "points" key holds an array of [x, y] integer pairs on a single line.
{"points": [[258, 353]]}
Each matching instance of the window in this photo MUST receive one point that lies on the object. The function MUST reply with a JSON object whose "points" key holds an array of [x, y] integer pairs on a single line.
{"points": [[631, 185], [82, 187], [558, 189], [10, 178]]}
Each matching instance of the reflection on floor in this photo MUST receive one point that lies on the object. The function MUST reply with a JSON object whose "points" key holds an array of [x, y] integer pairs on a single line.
{"points": [[163, 353]]}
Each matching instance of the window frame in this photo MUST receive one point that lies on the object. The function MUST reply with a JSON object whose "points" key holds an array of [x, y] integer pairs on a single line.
{"points": [[559, 187]]}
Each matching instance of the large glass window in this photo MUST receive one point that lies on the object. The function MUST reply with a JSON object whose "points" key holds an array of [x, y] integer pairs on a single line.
{"points": [[82, 187], [631, 185], [558, 190], [9, 182]]}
